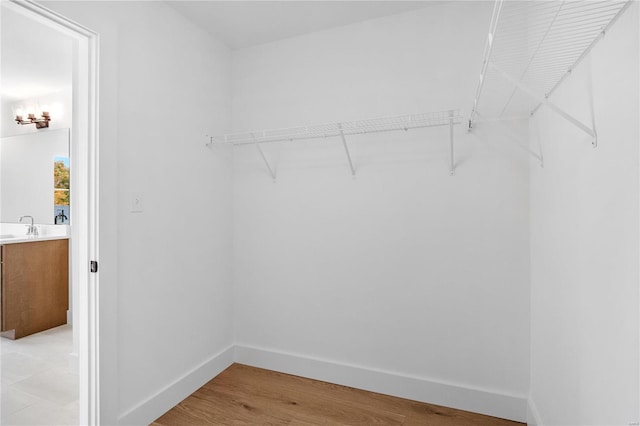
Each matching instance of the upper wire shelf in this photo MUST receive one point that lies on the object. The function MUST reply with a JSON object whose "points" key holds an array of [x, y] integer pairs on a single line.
{"points": [[533, 46], [344, 128]]}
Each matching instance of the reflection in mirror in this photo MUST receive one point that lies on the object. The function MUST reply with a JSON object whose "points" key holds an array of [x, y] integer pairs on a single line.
{"points": [[61, 190], [34, 169]]}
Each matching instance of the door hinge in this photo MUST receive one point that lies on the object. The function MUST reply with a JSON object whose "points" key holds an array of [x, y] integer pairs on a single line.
{"points": [[94, 266]]}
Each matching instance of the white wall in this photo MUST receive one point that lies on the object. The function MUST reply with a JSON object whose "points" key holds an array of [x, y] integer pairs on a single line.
{"points": [[584, 245], [165, 273], [26, 174], [403, 270]]}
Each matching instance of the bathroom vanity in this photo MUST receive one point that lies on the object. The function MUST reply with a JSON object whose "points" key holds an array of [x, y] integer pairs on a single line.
{"points": [[35, 285]]}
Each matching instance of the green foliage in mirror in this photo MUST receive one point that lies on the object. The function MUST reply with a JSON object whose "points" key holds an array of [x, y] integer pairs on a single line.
{"points": [[61, 181]]}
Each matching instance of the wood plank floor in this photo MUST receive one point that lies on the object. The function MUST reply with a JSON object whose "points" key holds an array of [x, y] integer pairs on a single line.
{"points": [[243, 395]]}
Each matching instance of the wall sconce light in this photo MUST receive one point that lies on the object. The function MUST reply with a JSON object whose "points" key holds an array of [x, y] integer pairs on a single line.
{"points": [[41, 123]]}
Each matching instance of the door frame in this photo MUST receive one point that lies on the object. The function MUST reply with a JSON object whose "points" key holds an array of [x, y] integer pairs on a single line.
{"points": [[84, 193]]}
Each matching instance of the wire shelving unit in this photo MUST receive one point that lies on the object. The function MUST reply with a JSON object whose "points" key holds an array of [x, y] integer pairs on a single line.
{"points": [[342, 130], [533, 46]]}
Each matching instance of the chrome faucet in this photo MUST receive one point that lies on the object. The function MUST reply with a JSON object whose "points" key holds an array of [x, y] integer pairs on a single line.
{"points": [[31, 229]]}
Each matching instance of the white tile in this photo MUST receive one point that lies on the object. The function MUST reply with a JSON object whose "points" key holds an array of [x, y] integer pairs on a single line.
{"points": [[64, 332], [74, 407], [39, 379], [16, 366], [8, 345], [42, 414], [72, 364], [12, 400], [51, 353], [57, 385], [39, 339], [53, 346]]}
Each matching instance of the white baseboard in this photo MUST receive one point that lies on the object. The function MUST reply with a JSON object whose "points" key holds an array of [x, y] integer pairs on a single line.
{"points": [[165, 399], [512, 407], [533, 417]]}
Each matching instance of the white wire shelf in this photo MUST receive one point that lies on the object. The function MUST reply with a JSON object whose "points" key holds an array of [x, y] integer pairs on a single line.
{"points": [[342, 130], [346, 128], [533, 46]]}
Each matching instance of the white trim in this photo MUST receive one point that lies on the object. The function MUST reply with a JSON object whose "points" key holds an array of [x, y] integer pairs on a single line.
{"points": [[483, 401], [168, 397], [533, 416], [477, 400], [84, 188]]}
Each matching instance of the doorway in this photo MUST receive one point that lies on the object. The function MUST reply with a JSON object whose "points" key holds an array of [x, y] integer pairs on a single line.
{"points": [[84, 196]]}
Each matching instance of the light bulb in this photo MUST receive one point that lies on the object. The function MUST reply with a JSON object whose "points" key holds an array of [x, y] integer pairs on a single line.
{"points": [[30, 109]]}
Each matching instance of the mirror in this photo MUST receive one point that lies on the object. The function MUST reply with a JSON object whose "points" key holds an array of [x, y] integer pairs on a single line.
{"points": [[34, 177], [36, 74]]}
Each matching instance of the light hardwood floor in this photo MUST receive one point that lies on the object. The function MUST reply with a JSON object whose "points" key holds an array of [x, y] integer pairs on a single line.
{"points": [[243, 395]]}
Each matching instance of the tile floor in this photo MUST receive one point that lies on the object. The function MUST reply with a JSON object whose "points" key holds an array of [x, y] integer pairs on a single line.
{"points": [[39, 379]]}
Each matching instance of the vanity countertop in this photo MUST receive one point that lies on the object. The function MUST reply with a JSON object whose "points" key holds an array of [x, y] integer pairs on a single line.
{"points": [[12, 233], [13, 239]]}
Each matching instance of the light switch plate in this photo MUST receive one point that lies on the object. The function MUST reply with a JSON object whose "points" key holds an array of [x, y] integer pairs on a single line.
{"points": [[136, 202]]}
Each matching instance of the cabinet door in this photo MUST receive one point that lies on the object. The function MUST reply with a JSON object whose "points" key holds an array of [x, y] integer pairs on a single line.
{"points": [[35, 286]]}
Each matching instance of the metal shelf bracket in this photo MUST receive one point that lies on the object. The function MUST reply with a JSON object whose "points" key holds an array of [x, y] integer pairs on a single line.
{"points": [[346, 150], [452, 165], [264, 158], [544, 101]]}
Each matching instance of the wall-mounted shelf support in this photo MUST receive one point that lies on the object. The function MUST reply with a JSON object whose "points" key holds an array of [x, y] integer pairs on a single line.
{"points": [[452, 164], [586, 52], [264, 158], [544, 101], [346, 150], [535, 46]]}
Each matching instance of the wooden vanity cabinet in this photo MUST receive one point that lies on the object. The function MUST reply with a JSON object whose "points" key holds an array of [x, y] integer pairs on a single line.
{"points": [[35, 287]]}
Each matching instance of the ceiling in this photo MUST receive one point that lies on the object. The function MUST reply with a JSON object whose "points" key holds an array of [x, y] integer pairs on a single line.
{"points": [[26, 60], [238, 24], [241, 24]]}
